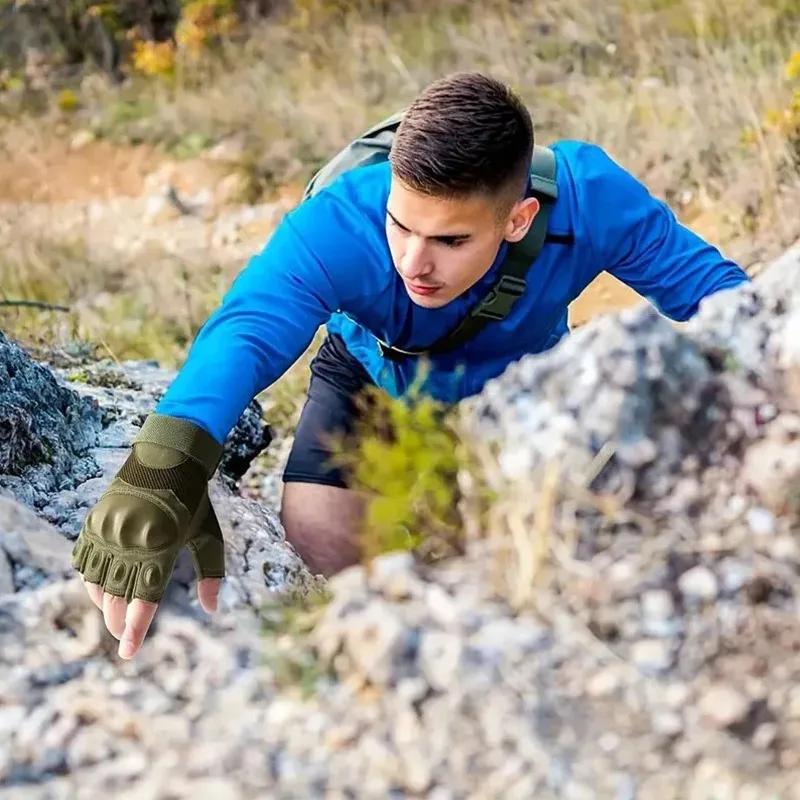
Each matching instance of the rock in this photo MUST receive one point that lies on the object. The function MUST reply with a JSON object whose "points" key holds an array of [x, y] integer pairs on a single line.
{"points": [[667, 723], [161, 207], [657, 604], [735, 574], [28, 542], [699, 584], [46, 430], [440, 658], [653, 650], [761, 521], [723, 706], [375, 640], [772, 470], [231, 189], [104, 411], [652, 656], [6, 574], [230, 150]]}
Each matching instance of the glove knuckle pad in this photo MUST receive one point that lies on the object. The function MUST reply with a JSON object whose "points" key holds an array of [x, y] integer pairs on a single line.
{"points": [[126, 521]]}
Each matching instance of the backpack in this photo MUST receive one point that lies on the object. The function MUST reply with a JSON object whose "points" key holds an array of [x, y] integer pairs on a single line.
{"points": [[372, 147]]}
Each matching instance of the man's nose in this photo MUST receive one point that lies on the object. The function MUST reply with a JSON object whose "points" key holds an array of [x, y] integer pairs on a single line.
{"points": [[416, 261]]}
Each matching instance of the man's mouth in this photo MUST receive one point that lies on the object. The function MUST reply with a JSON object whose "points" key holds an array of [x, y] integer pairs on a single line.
{"points": [[423, 290]]}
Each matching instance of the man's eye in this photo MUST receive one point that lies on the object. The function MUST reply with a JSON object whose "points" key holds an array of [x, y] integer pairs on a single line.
{"points": [[452, 242], [397, 226]]}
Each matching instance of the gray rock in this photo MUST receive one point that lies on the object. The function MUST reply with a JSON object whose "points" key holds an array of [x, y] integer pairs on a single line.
{"points": [[440, 658], [375, 640], [33, 547], [6, 574], [511, 671], [46, 431]]}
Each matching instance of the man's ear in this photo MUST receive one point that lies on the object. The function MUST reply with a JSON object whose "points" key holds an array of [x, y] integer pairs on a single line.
{"points": [[521, 218]]}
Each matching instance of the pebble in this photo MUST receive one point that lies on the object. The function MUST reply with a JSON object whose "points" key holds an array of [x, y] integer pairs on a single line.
{"points": [[785, 548], [657, 604], [676, 695], [373, 639], [736, 506], [6, 763], [391, 574], [10, 719], [735, 574], [441, 605], [667, 723], [604, 683], [722, 706], [652, 656], [699, 584], [440, 658], [765, 735], [761, 521]]}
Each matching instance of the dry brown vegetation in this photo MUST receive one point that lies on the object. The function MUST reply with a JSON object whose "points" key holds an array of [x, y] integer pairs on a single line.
{"points": [[678, 90]]}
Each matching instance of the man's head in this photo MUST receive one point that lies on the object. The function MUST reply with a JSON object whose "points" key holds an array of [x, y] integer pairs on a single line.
{"points": [[460, 164]]}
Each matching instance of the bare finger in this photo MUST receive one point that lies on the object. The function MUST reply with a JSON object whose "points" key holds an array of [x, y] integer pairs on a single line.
{"points": [[137, 622], [114, 614], [95, 592], [208, 593]]}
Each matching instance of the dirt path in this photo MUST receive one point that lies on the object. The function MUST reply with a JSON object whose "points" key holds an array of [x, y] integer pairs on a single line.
{"points": [[55, 171], [50, 170]]}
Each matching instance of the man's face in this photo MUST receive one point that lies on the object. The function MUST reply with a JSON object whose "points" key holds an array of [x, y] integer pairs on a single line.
{"points": [[441, 247]]}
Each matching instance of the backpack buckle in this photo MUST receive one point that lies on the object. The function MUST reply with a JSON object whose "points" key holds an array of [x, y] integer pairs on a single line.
{"points": [[390, 353], [498, 303]]}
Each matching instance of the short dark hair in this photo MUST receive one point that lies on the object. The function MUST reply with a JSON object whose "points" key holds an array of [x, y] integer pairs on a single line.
{"points": [[464, 134]]}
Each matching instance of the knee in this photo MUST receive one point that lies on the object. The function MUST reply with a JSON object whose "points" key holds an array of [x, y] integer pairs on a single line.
{"points": [[322, 524]]}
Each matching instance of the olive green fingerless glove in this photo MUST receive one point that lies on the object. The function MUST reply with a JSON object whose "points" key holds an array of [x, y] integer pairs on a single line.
{"points": [[156, 504]]}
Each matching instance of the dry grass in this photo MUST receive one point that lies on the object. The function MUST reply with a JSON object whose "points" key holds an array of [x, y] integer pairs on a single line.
{"points": [[669, 88], [115, 306]]}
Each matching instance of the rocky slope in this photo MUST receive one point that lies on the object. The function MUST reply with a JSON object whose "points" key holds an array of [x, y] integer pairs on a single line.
{"points": [[624, 627]]}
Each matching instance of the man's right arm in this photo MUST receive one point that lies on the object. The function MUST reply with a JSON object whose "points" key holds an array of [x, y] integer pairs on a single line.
{"points": [[266, 321]]}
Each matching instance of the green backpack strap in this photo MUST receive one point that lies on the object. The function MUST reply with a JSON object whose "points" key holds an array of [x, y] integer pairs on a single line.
{"points": [[510, 284], [374, 146]]}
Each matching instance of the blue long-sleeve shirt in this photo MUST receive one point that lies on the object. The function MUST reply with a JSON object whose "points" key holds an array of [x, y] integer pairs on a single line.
{"points": [[328, 263]]}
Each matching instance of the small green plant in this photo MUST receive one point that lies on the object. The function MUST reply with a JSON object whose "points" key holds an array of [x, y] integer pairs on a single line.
{"points": [[405, 456]]}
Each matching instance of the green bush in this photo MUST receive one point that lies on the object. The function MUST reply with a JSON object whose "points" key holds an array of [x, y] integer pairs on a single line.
{"points": [[405, 455], [74, 33]]}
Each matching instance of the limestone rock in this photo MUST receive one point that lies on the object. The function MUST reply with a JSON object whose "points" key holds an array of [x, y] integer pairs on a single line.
{"points": [[36, 551]]}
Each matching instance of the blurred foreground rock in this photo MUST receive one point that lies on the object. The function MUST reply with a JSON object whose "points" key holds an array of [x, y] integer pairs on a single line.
{"points": [[626, 627]]}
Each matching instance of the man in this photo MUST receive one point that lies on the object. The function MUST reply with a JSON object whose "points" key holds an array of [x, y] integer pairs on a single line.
{"points": [[396, 252]]}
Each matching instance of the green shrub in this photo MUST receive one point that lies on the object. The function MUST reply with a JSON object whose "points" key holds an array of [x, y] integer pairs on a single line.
{"points": [[405, 455]]}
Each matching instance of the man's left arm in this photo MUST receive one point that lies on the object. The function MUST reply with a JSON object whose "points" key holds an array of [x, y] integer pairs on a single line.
{"points": [[638, 240]]}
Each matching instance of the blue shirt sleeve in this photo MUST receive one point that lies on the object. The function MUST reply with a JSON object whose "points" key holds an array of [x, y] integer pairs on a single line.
{"points": [[637, 239], [266, 321]]}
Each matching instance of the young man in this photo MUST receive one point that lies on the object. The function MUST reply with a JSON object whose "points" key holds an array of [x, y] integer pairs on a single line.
{"points": [[395, 252]]}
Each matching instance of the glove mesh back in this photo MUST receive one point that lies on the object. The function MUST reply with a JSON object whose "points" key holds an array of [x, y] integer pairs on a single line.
{"points": [[187, 480]]}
